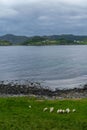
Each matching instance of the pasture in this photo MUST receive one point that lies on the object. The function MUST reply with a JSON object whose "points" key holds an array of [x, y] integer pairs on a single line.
{"points": [[25, 113]]}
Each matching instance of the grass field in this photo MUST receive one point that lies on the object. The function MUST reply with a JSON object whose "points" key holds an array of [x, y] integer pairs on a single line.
{"points": [[15, 114]]}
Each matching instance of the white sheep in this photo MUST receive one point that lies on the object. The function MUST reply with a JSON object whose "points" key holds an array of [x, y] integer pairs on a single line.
{"points": [[29, 106], [63, 111], [45, 109], [67, 110], [59, 111], [51, 109], [74, 110]]}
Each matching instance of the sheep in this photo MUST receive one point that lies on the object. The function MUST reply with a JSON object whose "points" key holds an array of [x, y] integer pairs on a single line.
{"points": [[51, 109], [63, 111], [74, 110], [60, 111], [29, 106], [67, 110], [45, 109]]}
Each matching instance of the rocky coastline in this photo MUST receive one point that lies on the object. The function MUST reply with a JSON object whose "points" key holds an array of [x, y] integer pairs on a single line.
{"points": [[35, 89]]}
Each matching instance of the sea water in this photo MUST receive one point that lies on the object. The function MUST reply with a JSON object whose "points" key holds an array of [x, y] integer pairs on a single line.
{"points": [[54, 66]]}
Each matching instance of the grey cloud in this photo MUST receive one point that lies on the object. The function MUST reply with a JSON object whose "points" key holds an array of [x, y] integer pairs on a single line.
{"points": [[40, 17]]}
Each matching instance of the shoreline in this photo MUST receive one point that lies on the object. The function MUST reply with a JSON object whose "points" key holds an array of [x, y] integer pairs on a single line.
{"points": [[35, 89]]}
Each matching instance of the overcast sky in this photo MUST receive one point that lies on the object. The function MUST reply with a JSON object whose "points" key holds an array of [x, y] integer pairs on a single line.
{"points": [[43, 17]]}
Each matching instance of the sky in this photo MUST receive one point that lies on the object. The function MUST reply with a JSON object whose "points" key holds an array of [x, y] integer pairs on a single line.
{"points": [[43, 17]]}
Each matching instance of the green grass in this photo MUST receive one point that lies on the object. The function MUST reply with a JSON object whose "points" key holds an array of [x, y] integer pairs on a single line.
{"points": [[16, 115]]}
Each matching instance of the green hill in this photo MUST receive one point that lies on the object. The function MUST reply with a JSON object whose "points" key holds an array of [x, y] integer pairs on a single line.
{"points": [[64, 39], [13, 38], [5, 43]]}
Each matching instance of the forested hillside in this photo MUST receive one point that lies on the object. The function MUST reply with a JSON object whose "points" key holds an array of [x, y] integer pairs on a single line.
{"points": [[10, 39]]}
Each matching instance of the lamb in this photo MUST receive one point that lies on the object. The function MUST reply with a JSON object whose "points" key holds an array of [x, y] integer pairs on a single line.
{"points": [[67, 110], [51, 109], [61, 111], [58, 111], [45, 109], [74, 110], [29, 106]]}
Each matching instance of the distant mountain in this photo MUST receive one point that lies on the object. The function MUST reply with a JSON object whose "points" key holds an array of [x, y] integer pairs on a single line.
{"points": [[44, 40], [13, 38], [56, 40], [67, 37]]}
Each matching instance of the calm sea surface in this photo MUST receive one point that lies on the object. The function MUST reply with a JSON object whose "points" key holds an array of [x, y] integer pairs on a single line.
{"points": [[54, 66]]}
